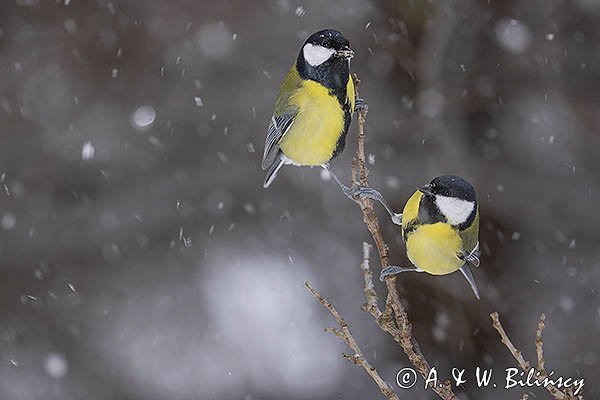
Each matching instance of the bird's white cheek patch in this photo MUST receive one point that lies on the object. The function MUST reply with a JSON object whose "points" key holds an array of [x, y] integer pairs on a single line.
{"points": [[316, 55], [455, 210]]}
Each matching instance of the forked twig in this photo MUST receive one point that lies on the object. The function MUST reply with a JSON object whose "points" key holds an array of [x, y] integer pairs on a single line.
{"points": [[358, 358], [540, 375]]}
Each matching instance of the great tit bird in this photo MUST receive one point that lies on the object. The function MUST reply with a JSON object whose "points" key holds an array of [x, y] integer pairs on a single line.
{"points": [[440, 227], [314, 107]]}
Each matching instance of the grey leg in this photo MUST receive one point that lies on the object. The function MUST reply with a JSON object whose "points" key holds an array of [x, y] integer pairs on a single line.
{"points": [[348, 191], [395, 270]]}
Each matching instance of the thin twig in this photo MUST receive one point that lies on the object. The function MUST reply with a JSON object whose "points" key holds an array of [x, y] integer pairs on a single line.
{"points": [[358, 357], [524, 364], [539, 344], [394, 319]]}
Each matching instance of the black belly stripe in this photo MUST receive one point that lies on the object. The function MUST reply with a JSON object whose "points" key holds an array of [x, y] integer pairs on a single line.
{"points": [[341, 143], [410, 228]]}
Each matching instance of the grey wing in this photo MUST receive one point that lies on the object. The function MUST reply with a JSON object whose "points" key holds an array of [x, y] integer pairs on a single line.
{"points": [[278, 127]]}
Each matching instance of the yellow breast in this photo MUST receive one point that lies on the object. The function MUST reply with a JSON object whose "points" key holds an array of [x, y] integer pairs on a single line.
{"points": [[434, 248], [319, 124]]}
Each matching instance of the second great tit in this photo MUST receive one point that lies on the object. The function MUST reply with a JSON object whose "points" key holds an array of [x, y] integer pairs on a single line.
{"points": [[314, 107], [440, 227]]}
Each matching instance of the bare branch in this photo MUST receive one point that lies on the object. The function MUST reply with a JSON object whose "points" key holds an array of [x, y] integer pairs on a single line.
{"points": [[394, 319], [358, 357], [524, 364], [508, 343]]}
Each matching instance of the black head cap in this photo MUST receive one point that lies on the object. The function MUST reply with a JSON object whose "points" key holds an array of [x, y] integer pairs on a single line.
{"points": [[329, 38], [450, 186]]}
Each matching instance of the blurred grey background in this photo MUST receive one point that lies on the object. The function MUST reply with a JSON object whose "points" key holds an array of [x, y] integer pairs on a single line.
{"points": [[140, 257]]}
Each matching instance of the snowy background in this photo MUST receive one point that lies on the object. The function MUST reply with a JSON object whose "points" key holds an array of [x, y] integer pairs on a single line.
{"points": [[140, 257]]}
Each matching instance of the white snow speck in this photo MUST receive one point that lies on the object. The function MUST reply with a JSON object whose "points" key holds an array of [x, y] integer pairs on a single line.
{"points": [[222, 157], [214, 40], [549, 37], [431, 103], [9, 221], [70, 26], [512, 35], [299, 12], [371, 159], [325, 175], [198, 101], [566, 303], [87, 151], [56, 365], [392, 182], [143, 117]]}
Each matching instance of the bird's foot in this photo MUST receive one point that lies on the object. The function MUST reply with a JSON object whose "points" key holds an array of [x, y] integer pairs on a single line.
{"points": [[360, 105], [395, 270], [472, 258], [350, 192], [373, 194]]}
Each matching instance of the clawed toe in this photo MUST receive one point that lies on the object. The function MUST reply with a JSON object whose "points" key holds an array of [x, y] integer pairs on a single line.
{"points": [[350, 192], [395, 270], [367, 192], [360, 105], [354, 192]]}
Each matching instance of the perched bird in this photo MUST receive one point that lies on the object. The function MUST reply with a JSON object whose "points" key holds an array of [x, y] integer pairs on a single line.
{"points": [[440, 226], [314, 107]]}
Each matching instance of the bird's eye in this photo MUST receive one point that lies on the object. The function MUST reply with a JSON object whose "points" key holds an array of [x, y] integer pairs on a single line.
{"points": [[326, 43]]}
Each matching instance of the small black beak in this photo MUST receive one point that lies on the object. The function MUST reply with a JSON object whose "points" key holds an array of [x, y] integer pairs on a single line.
{"points": [[426, 189], [345, 52]]}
